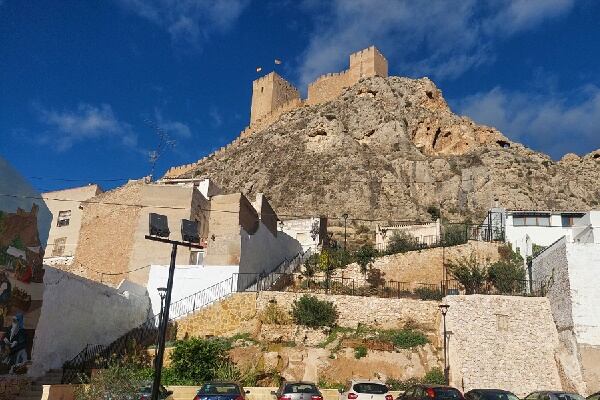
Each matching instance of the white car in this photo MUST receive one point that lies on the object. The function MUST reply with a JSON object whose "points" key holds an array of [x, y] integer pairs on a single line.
{"points": [[363, 389]]}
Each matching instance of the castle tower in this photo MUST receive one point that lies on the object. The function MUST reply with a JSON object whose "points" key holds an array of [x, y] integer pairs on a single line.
{"points": [[366, 63], [269, 93]]}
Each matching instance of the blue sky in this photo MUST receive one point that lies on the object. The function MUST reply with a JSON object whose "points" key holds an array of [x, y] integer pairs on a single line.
{"points": [[83, 84]]}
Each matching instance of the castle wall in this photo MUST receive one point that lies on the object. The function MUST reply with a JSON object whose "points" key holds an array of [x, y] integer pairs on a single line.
{"points": [[327, 87], [269, 93]]}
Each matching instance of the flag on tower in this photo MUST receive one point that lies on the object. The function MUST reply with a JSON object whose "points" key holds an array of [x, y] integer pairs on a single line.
{"points": [[277, 62], [258, 69]]}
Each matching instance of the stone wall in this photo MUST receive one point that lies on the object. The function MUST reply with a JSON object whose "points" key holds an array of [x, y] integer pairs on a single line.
{"points": [[422, 266], [502, 342], [11, 387], [327, 87], [235, 314], [101, 223]]}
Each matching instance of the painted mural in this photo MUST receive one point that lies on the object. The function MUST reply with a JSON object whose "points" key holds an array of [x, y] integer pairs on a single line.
{"points": [[24, 225]]}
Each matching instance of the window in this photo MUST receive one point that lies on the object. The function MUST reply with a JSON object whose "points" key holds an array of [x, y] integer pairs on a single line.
{"points": [[63, 218], [58, 248], [531, 220], [569, 219], [370, 388], [196, 257]]}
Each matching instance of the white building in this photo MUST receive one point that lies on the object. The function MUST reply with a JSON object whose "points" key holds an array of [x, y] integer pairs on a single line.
{"points": [[310, 232], [424, 233], [525, 228], [570, 268]]}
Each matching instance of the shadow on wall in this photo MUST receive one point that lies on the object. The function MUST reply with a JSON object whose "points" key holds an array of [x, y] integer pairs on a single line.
{"points": [[263, 251], [78, 311]]}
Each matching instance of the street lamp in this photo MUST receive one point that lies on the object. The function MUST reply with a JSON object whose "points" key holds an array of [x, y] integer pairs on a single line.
{"points": [[159, 232], [444, 310], [345, 216], [162, 292]]}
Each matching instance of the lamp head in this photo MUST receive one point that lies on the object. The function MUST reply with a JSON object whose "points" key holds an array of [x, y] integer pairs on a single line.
{"points": [[345, 215], [162, 291], [444, 308]]}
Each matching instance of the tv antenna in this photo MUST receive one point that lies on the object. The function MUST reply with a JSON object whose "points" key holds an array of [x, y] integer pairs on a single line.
{"points": [[165, 142]]}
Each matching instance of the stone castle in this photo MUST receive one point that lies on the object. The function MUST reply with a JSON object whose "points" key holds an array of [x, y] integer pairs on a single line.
{"points": [[272, 95]]}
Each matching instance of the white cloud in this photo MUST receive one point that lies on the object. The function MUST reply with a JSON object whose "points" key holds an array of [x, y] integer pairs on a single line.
{"points": [[173, 127], [84, 123], [555, 123], [190, 21], [455, 35], [216, 117]]}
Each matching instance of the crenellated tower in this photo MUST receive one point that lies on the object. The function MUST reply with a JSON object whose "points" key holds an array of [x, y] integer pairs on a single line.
{"points": [[269, 93]]}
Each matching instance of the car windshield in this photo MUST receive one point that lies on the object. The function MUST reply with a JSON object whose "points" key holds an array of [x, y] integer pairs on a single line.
{"points": [[371, 388], [569, 396], [300, 388], [499, 396], [219, 388], [446, 393]]}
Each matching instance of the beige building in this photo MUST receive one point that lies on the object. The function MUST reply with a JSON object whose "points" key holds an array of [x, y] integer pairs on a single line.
{"points": [[234, 231], [67, 212], [424, 233]]}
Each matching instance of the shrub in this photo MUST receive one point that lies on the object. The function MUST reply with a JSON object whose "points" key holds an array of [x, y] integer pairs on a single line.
{"points": [[434, 376], [360, 352], [360, 229], [118, 381], [312, 312], [434, 212], [454, 234], [401, 242], [508, 274], [274, 314], [375, 278], [195, 360], [310, 266], [469, 273], [364, 257], [427, 293], [398, 384], [405, 338]]}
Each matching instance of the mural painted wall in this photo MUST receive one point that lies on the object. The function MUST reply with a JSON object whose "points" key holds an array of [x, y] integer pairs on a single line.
{"points": [[24, 226]]}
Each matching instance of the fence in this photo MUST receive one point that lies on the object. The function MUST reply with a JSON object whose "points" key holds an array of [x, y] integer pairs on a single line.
{"points": [[146, 334]]}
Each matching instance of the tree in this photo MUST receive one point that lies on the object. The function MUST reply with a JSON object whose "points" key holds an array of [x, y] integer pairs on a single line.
{"points": [[401, 242], [117, 382], [364, 257], [310, 266], [507, 274], [195, 359], [455, 234], [434, 212], [469, 272]]}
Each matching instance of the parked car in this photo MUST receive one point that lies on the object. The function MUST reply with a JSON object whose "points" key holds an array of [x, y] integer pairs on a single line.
{"points": [[595, 396], [490, 394], [366, 390], [297, 391], [553, 395], [428, 392], [145, 393], [216, 390]]}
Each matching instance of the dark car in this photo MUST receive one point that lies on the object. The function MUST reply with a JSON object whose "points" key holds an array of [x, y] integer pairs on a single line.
{"points": [[490, 394], [297, 391], [595, 396], [553, 395], [221, 391], [145, 393], [429, 392]]}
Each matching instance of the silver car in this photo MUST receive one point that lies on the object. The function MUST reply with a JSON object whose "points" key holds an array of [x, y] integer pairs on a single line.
{"points": [[298, 391]]}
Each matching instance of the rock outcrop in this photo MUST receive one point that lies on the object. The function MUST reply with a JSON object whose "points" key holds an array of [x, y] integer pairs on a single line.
{"points": [[387, 148]]}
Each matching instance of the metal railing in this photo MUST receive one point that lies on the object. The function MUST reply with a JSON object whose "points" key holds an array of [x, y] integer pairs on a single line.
{"points": [[146, 334]]}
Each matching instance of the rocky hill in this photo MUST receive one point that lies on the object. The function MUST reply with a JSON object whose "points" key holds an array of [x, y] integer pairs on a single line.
{"points": [[388, 148]]}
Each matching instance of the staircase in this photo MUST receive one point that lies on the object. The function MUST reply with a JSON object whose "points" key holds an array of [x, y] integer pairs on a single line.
{"points": [[34, 392], [97, 356]]}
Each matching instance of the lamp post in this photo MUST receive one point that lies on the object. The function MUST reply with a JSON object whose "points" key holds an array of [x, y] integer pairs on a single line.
{"points": [[345, 216], [159, 232], [444, 310], [162, 292]]}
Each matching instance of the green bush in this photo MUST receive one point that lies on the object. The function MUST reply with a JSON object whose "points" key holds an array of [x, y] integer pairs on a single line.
{"points": [[401, 242], [360, 352], [274, 314], [312, 312], [364, 257], [454, 234], [195, 360], [398, 384], [404, 338], [434, 212], [118, 381], [469, 272], [427, 293], [434, 376]]}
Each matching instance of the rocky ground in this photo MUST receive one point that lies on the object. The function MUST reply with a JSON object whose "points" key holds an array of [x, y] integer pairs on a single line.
{"points": [[388, 148]]}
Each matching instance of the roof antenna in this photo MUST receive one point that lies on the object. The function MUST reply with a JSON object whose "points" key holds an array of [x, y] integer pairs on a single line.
{"points": [[165, 142]]}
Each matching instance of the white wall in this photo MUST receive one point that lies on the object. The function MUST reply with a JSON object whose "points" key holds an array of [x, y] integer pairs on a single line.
{"points": [[584, 276], [77, 312], [262, 252], [300, 229], [540, 235], [188, 279]]}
